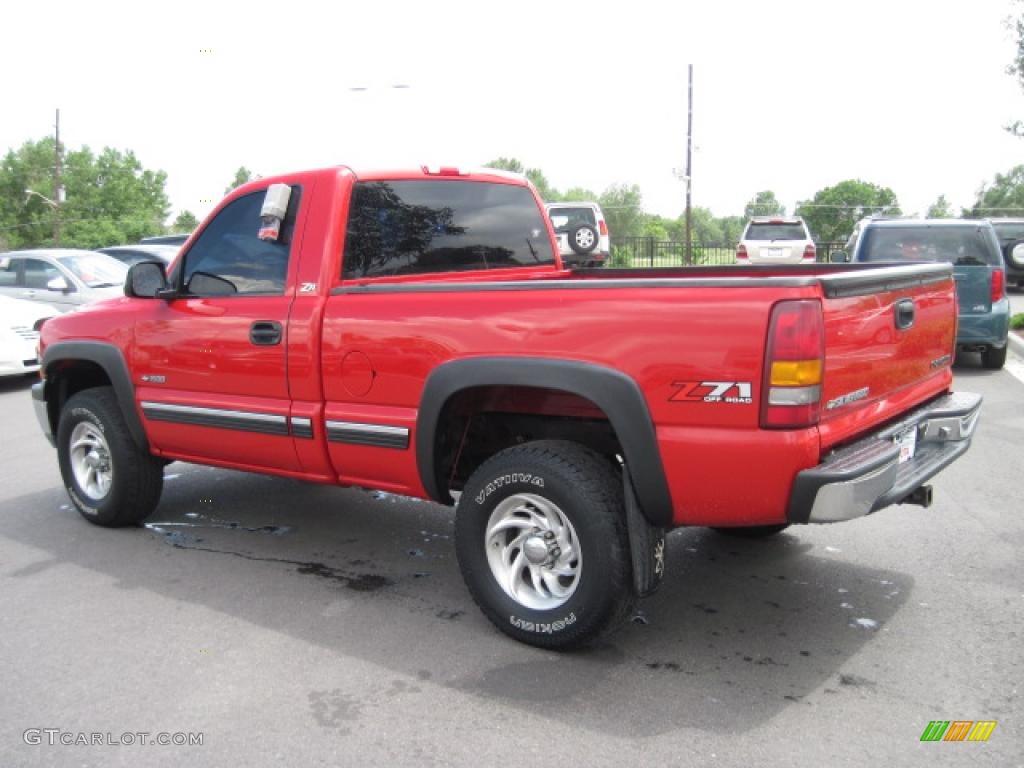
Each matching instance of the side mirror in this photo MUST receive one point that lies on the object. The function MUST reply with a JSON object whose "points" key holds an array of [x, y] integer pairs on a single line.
{"points": [[1016, 253], [145, 279], [838, 257], [58, 284]]}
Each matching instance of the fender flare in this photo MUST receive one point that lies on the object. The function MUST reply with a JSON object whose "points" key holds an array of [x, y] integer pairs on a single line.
{"points": [[111, 360], [612, 391]]}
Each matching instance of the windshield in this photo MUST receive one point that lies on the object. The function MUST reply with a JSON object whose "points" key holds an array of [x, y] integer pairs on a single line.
{"points": [[96, 270], [954, 245], [772, 231]]}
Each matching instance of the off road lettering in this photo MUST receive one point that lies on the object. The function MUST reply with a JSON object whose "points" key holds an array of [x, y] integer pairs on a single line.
{"points": [[737, 392]]}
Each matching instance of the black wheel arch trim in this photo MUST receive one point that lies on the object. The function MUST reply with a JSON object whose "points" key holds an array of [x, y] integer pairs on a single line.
{"points": [[111, 360], [612, 391]]}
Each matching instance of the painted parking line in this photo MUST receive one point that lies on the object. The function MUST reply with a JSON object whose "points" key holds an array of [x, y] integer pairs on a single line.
{"points": [[1015, 366]]}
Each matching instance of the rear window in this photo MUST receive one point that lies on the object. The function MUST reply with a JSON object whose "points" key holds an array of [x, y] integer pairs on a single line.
{"points": [[565, 219], [412, 227], [954, 245], [1009, 232], [769, 231]]}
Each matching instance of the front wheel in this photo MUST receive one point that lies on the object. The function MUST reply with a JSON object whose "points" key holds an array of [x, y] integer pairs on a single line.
{"points": [[541, 541], [110, 480]]}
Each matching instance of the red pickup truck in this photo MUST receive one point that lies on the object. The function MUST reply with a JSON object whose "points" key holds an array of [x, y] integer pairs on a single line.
{"points": [[415, 331]]}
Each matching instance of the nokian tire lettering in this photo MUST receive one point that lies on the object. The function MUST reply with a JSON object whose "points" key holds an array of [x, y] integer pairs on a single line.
{"points": [[92, 434], [568, 480]]}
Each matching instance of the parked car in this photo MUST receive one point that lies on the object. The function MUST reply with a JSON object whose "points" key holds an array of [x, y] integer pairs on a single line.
{"points": [[582, 232], [776, 240], [19, 334], [133, 254], [1011, 234], [973, 250], [166, 239], [65, 278]]}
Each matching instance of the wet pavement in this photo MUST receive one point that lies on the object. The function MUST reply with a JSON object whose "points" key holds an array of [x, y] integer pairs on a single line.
{"points": [[303, 625]]}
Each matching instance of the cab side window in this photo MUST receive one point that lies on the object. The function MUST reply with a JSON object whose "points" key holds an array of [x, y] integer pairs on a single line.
{"points": [[229, 259]]}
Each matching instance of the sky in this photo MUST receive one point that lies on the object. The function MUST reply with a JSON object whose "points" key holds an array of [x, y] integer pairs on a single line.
{"points": [[787, 96]]}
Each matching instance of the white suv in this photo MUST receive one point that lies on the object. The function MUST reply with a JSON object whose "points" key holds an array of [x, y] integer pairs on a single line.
{"points": [[776, 240], [582, 233]]}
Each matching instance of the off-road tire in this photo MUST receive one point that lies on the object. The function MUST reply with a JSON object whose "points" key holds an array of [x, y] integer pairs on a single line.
{"points": [[135, 481], [586, 490]]}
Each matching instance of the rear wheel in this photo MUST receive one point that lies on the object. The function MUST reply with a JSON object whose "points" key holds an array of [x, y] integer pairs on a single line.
{"points": [[753, 531], [583, 239], [542, 544], [994, 358], [110, 480]]}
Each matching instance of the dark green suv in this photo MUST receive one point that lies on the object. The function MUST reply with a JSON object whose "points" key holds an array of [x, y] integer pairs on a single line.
{"points": [[973, 250]]}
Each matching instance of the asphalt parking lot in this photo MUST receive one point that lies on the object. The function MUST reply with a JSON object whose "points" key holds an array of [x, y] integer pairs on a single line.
{"points": [[302, 625]]}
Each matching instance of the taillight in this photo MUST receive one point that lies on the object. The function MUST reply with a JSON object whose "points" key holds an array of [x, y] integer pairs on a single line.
{"points": [[741, 251], [810, 252], [793, 364], [602, 227], [998, 285]]}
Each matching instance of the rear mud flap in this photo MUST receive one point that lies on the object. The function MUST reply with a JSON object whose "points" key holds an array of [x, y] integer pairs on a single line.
{"points": [[646, 544]]}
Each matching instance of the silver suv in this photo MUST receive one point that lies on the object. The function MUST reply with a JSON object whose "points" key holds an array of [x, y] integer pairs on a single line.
{"points": [[581, 231], [776, 240]]}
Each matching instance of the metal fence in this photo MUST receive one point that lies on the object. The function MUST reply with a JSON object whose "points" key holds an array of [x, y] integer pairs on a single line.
{"points": [[649, 252]]}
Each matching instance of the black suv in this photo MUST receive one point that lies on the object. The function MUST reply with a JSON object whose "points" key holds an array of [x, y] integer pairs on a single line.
{"points": [[1011, 232]]}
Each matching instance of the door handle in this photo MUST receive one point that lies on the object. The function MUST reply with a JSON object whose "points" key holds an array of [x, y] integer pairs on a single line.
{"points": [[265, 333]]}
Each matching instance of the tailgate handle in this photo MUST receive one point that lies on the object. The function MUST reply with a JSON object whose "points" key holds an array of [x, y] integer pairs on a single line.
{"points": [[265, 333], [904, 310]]}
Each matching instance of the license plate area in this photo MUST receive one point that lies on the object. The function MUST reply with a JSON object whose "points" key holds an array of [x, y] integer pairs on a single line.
{"points": [[906, 441]]}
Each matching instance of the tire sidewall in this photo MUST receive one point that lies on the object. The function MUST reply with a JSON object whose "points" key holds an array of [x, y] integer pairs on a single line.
{"points": [[589, 603], [74, 414]]}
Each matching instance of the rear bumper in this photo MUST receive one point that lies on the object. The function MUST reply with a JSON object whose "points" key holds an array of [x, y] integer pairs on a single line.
{"points": [[989, 329], [39, 406], [867, 476]]}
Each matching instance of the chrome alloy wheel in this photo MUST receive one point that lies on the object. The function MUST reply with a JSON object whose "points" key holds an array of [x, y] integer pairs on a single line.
{"points": [[533, 551], [90, 461]]}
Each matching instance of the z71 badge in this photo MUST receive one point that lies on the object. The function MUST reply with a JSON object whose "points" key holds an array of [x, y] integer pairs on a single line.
{"points": [[738, 392]]}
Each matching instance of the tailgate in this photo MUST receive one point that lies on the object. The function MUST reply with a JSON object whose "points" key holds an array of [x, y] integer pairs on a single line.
{"points": [[889, 341]]}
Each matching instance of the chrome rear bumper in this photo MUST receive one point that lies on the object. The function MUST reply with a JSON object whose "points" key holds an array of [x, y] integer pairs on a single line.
{"points": [[868, 475]]}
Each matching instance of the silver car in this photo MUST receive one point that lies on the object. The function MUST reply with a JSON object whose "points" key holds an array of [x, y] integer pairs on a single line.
{"points": [[62, 278]]}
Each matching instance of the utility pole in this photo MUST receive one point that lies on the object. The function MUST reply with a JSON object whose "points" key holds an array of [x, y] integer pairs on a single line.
{"points": [[56, 184], [689, 168]]}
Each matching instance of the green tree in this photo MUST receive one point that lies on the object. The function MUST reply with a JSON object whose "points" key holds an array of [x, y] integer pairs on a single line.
{"points": [[185, 222], [623, 210], [732, 228], [704, 227], [833, 211], [547, 192], [1004, 196], [242, 176], [764, 204], [579, 193], [536, 176], [1016, 68], [506, 164], [940, 209], [109, 198]]}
